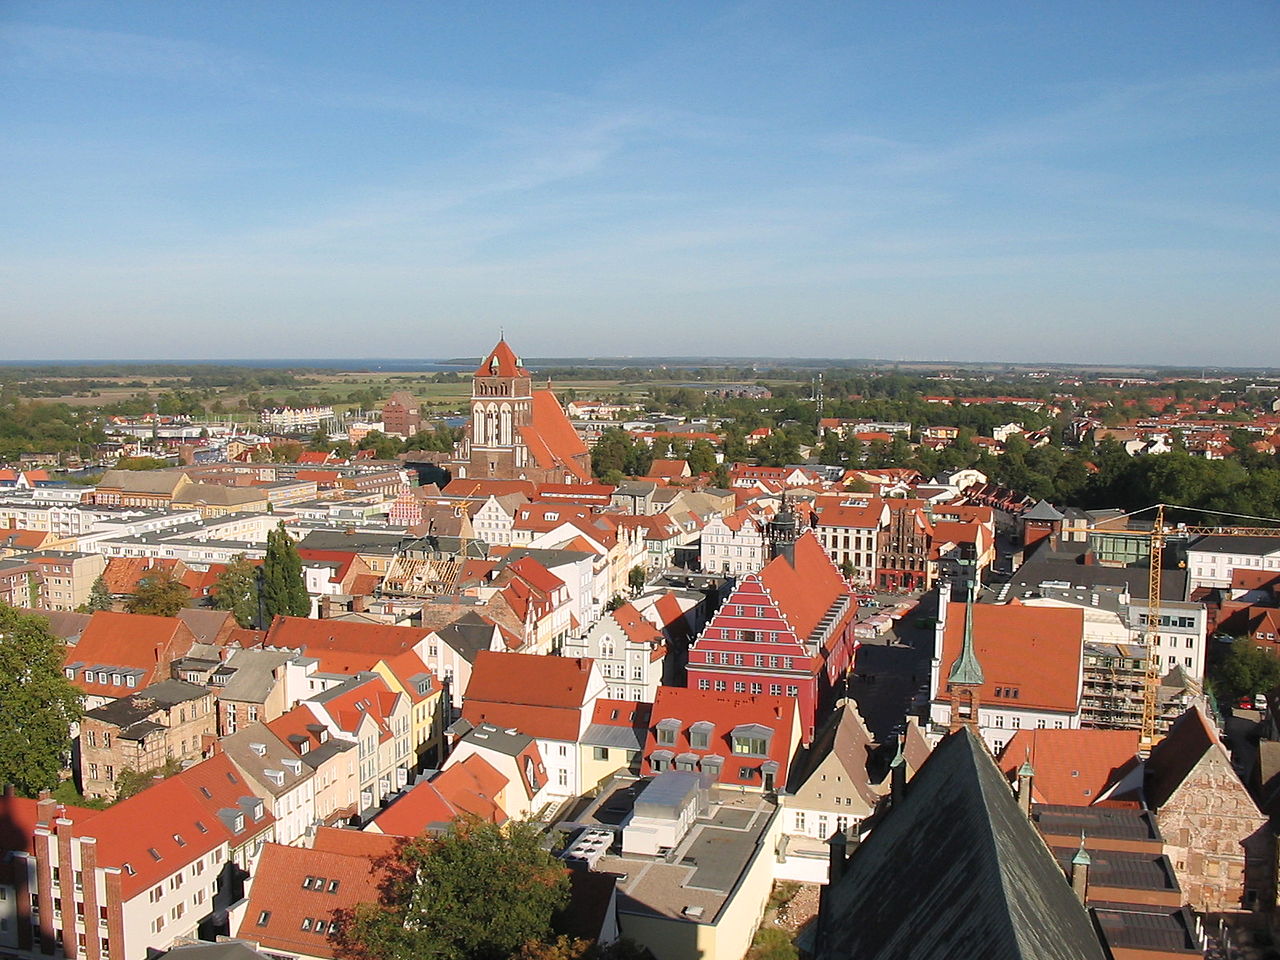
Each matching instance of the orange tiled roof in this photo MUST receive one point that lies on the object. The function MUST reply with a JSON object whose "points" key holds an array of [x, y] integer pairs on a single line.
{"points": [[1030, 656], [508, 364], [297, 892], [1071, 767]]}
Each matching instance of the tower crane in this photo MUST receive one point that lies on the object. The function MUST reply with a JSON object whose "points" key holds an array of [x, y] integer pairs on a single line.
{"points": [[1159, 535]]}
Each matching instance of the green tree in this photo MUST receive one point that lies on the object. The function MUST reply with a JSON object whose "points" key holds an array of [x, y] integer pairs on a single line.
{"points": [[158, 594], [481, 892], [702, 457], [284, 591], [1244, 670], [236, 589], [636, 579], [99, 596], [40, 703]]}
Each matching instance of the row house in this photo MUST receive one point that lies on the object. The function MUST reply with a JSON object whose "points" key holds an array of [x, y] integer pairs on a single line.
{"points": [[629, 651], [118, 654], [661, 535], [494, 520], [785, 631], [365, 709], [616, 552], [905, 546], [740, 740], [1029, 668], [169, 721], [735, 544], [119, 883], [276, 774], [614, 740], [849, 529], [335, 779], [550, 699]]}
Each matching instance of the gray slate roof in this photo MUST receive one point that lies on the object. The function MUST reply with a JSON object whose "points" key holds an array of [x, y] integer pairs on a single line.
{"points": [[955, 871]]}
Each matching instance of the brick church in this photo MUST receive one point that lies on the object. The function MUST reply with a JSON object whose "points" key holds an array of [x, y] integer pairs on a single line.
{"points": [[516, 432]]}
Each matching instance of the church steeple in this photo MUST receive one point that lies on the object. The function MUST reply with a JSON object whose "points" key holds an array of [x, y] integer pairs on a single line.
{"points": [[966, 678]]}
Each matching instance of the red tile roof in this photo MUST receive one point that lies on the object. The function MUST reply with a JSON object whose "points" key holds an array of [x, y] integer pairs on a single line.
{"points": [[319, 636], [805, 591], [122, 574], [726, 711], [1030, 656], [178, 819], [1072, 767], [294, 887], [551, 438], [508, 364], [1190, 737], [127, 641], [540, 696]]}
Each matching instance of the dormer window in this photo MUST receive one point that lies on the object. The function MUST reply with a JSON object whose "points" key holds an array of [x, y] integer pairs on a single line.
{"points": [[667, 730], [700, 735], [259, 749], [751, 740]]}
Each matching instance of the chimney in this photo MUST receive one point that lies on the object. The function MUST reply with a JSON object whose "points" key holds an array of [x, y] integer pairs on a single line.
{"points": [[1080, 871], [837, 855], [1025, 777]]}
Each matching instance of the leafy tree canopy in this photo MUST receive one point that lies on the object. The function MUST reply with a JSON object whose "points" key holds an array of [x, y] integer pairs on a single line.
{"points": [[40, 703], [482, 892], [158, 594], [236, 590]]}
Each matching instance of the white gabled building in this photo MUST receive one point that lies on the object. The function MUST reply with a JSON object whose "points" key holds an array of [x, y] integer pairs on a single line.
{"points": [[629, 651], [735, 544]]}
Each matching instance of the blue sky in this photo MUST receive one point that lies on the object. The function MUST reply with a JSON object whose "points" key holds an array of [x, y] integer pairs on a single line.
{"points": [[1074, 181]]}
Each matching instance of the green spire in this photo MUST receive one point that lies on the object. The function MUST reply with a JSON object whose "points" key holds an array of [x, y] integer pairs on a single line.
{"points": [[1082, 857], [898, 758], [966, 671]]}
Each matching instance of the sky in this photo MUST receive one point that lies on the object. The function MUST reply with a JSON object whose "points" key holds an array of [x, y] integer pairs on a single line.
{"points": [[1055, 182]]}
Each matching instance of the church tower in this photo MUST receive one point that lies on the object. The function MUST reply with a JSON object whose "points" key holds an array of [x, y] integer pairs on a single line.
{"points": [[501, 403]]}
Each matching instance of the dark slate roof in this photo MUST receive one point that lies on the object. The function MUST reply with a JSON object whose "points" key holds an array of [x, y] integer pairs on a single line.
{"points": [[1043, 510], [468, 635], [1254, 546], [1067, 565], [955, 870]]}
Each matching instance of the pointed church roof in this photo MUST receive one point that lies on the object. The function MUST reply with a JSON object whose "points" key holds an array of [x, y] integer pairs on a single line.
{"points": [[501, 362], [955, 870], [967, 670]]}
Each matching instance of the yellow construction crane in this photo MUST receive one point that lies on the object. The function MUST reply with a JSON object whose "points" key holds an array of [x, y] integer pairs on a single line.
{"points": [[1151, 632]]}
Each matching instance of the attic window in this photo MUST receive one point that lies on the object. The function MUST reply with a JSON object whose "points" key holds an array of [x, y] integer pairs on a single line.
{"points": [[319, 884], [179, 841], [206, 793], [155, 854], [201, 827], [333, 886], [264, 917], [307, 882], [128, 868], [232, 777], [306, 923]]}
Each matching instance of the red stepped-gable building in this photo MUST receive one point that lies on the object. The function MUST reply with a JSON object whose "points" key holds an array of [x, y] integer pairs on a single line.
{"points": [[785, 631]]}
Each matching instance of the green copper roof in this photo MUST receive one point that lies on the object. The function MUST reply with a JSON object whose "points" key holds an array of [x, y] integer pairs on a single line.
{"points": [[966, 670]]}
